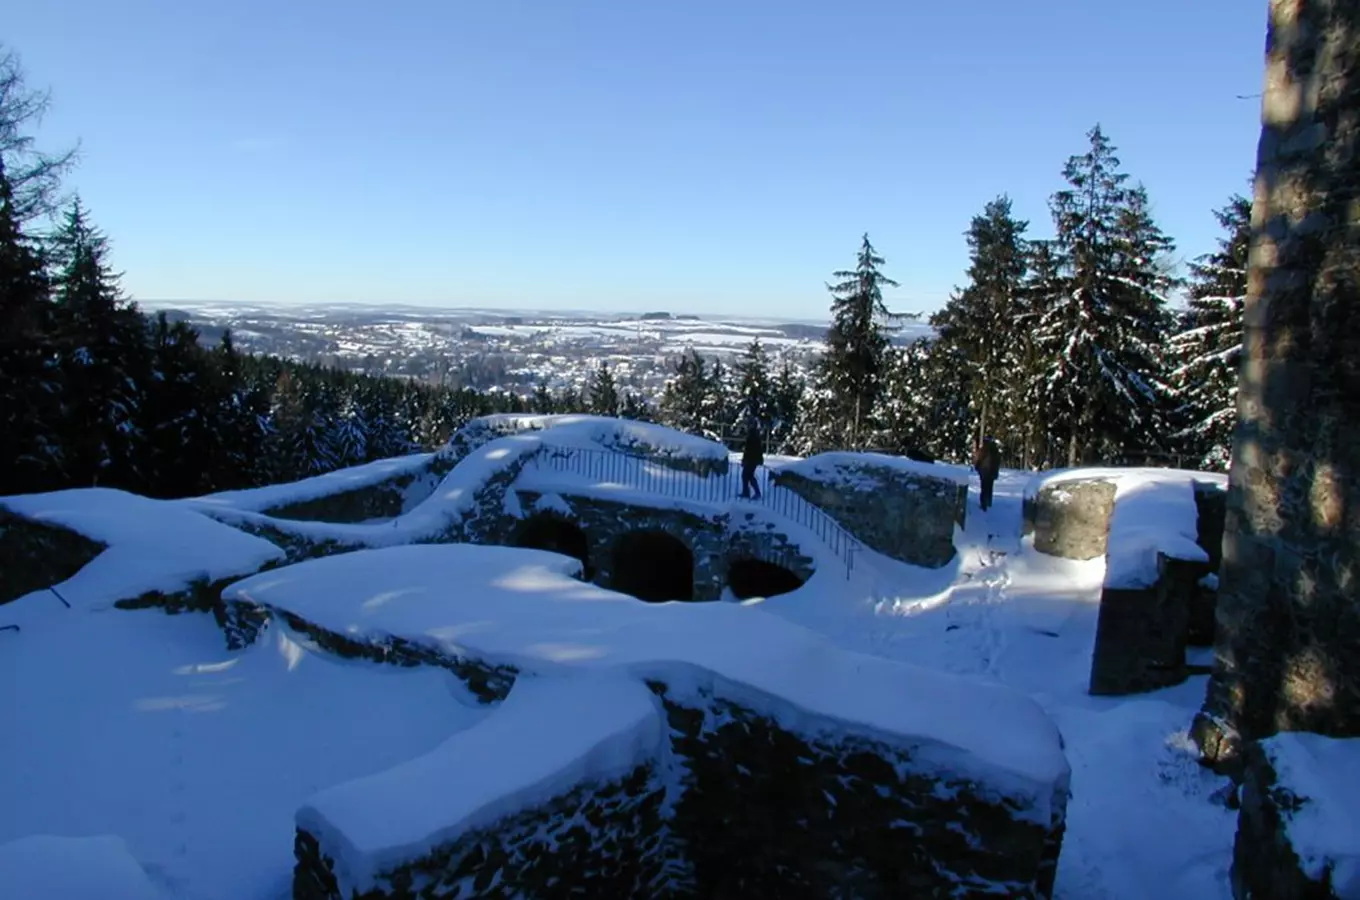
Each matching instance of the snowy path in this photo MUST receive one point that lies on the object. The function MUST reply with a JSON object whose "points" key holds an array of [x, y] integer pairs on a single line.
{"points": [[139, 724], [1141, 822]]}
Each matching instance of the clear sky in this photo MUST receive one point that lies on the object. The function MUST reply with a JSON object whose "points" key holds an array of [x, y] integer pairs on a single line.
{"points": [[692, 155]]}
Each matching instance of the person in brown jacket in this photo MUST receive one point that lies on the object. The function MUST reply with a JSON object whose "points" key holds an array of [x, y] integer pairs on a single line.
{"points": [[987, 461]]}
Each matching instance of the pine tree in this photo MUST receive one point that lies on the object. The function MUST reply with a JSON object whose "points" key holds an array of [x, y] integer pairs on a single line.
{"points": [[786, 407], [685, 402], [979, 320], [604, 393], [852, 367], [30, 387], [1208, 349], [1102, 335], [720, 409], [754, 389], [103, 357]]}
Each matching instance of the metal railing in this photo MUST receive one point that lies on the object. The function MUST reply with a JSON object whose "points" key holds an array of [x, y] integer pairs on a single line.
{"points": [[614, 468]]}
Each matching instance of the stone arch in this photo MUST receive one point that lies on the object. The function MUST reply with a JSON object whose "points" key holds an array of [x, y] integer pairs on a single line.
{"points": [[546, 531], [653, 565], [749, 577]]}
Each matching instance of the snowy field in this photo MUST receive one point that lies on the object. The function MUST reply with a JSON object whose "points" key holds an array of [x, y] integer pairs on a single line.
{"points": [[139, 726]]}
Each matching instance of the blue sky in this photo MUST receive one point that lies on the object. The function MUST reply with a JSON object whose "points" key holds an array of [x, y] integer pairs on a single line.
{"points": [[708, 155]]}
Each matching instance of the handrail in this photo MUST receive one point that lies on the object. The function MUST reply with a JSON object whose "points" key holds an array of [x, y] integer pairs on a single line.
{"points": [[647, 475]]}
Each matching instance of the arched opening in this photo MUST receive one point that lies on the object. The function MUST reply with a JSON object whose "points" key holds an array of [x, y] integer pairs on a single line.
{"points": [[748, 578], [653, 566], [543, 532]]}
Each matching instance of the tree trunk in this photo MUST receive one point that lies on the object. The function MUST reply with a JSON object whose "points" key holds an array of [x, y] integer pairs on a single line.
{"points": [[1288, 629]]}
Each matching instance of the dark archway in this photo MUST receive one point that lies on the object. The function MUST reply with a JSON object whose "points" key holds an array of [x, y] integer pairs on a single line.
{"points": [[757, 578], [653, 566], [545, 532]]}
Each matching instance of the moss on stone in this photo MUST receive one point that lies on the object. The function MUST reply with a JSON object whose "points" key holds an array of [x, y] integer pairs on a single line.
{"points": [[36, 555]]}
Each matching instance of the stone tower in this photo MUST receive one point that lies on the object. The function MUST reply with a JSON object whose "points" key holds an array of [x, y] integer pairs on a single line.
{"points": [[1288, 636]]}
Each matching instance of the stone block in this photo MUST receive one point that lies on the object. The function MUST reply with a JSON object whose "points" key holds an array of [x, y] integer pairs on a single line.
{"points": [[1141, 633], [1071, 519]]}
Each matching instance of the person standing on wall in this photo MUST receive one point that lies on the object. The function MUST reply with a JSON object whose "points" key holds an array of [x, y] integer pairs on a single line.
{"points": [[752, 458], [987, 461]]}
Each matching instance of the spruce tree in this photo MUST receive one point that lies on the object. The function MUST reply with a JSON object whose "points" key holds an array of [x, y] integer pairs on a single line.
{"points": [[1102, 335], [685, 399], [30, 385], [103, 356], [754, 390], [851, 370], [979, 320], [786, 407], [604, 393], [1208, 349]]}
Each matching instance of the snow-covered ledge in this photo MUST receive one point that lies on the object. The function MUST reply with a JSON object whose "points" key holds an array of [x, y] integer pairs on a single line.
{"points": [[872, 754]]}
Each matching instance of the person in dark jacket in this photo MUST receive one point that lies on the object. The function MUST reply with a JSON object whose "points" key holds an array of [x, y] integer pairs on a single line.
{"points": [[987, 461], [752, 458]]}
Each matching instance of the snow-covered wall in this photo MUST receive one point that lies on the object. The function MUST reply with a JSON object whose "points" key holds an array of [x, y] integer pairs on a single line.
{"points": [[971, 774], [904, 509]]}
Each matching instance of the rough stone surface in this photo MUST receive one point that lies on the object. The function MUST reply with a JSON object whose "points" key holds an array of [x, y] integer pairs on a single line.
{"points": [[1141, 633], [606, 521], [1265, 864], [1288, 636], [34, 555], [1211, 506], [900, 514], [383, 500], [600, 840], [840, 816], [1071, 519], [241, 623]]}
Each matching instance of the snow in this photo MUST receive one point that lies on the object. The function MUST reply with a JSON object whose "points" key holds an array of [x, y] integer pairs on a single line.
{"points": [[141, 725], [605, 432], [1325, 832], [566, 731], [842, 467], [338, 482], [1154, 513], [523, 608], [47, 867], [152, 545]]}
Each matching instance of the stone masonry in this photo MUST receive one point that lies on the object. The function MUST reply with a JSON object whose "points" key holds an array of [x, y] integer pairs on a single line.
{"points": [[1288, 641], [1071, 519], [907, 516]]}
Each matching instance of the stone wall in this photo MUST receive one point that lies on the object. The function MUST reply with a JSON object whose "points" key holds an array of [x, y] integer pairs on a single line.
{"points": [[1070, 518], [605, 521], [901, 514], [1288, 637], [599, 840], [241, 623], [383, 500], [34, 555], [850, 817], [740, 806], [1141, 633], [1266, 864]]}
